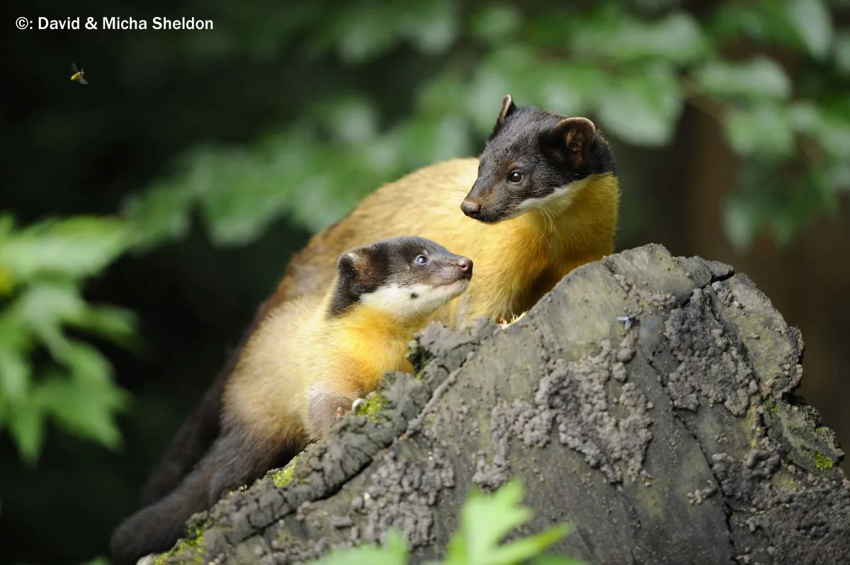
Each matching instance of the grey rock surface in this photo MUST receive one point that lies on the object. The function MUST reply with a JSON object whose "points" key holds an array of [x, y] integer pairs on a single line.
{"points": [[672, 437]]}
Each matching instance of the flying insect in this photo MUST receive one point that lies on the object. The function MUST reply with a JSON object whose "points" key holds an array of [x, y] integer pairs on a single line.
{"points": [[78, 75]]}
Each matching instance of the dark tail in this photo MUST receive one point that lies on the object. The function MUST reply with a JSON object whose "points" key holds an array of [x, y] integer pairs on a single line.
{"points": [[199, 431], [157, 527], [193, 439]]}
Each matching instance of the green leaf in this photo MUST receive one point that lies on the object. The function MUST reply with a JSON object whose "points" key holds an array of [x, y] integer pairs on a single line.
{"points": [[352, 119], [484, 96], [44, 307], [240, 191], [833, 134], [842, 53], [100, 560], [15, 370], [500, 512], [740, 223], [159, 214], [572, 89], [495, 23], [813, 23], [759, 78], [113, 323], [75, 247], [523, 549], [394, 552], [675, 38], [15, 375], [433, 27], [486, 520], [448, 138], [642, 107], [26, 425], [762, 130], [763, 21], [366, 33], [87, 403], [439, 97]]}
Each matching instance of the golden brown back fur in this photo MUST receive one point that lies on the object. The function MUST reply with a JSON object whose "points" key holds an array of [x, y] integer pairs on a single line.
{"points": [[517, 261]]}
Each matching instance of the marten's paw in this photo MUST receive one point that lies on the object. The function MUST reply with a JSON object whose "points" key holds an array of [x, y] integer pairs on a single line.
{"points": [[340, 411]]}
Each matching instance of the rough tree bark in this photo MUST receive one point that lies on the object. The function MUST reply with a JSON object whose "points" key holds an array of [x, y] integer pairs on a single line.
{"points": [[673, 439]]}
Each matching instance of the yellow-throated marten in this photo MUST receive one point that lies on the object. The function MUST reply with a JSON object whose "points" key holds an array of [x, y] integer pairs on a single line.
{"points": [[540, 201], [543, 201], [306, 363]]}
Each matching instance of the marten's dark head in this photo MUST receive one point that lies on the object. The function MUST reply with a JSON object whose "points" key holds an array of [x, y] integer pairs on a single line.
{"points": [[533, 159], [402, 276]]}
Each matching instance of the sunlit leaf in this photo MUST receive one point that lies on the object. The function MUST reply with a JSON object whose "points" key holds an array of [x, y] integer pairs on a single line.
{"points": [[352, 119], [15, 375], [759, 78], [113, 323], [15, 370], [766, 21], [432, 25], [374, 29], [486, 520], [484, 97], [160, 214], [26, 425], [241, 198], [675, 38], [501, 512], [97, 561], [813, 22], [495, 23], [393, 552], [440, 96], [642, 107], [86, 403], [763, 130], [572, 89], [740, 223], [75, 247], [44, 307], [7, 282]]}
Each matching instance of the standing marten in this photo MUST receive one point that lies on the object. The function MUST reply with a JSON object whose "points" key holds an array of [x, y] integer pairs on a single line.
{"points": [[305, 365], [540, 201]]}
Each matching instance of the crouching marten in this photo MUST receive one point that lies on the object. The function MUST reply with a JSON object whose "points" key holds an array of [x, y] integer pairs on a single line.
{"points": [[305, 364], [540, 201]]}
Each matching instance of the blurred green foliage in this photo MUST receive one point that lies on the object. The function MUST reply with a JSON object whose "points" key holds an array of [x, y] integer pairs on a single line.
{"points": [[485, 520], [46, 369], [774, 73], [630, 65]]}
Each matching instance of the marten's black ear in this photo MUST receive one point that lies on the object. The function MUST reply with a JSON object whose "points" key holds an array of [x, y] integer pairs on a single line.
{"points": [[574, 136], [349, 264], [508, 108]]}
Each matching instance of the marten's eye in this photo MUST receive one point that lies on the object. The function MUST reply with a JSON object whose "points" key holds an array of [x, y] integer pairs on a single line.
{"points": [[420, 259], [514, 177]]}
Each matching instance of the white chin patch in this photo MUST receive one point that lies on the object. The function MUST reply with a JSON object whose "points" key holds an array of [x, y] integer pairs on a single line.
{"points": [[404, 301], [561, 196]]}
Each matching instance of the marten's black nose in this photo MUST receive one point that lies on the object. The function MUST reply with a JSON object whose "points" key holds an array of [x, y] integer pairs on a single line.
{"points": [[465, 265], [471, 209]]}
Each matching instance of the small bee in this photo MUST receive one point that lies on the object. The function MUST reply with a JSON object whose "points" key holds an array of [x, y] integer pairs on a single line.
{"points": [[78, 74]]}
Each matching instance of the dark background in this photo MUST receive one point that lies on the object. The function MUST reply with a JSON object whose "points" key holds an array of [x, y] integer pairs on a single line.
{"points": [[158, 98]]}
